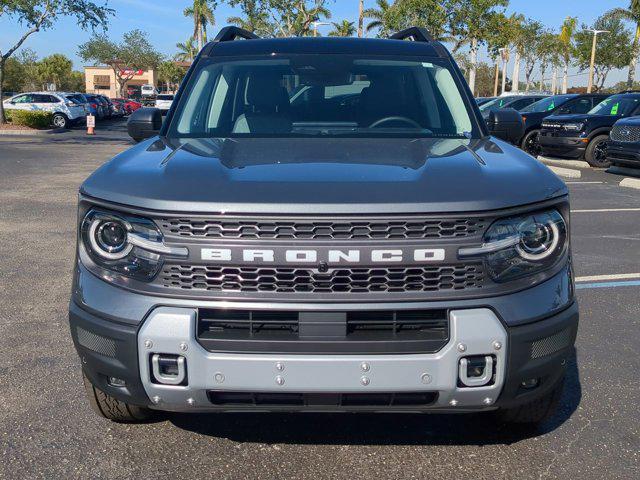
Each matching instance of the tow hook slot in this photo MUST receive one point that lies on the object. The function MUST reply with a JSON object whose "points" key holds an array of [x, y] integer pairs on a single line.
{"points": [[476, 371], [169, 369]]}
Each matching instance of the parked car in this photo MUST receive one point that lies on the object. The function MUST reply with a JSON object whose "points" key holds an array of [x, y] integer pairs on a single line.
{"points": [[104, 105], [623, 149], [96, 105], [118, 107], [386, 254], [482, 100], [586, 136], [163, 102], [130, 105], [517, 102], [66, 112], [567, 104]]}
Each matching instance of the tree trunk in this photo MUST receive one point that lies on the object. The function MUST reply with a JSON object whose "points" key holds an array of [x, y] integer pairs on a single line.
{"points": [[2, 119], [554, 80], [516, 73], [543, 71], [496, 80], [504, 74], [473, 60], [565, 77], [634, 59], [361, 19]]}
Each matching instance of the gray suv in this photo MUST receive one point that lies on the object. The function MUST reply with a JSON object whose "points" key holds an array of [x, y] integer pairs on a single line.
{"points": [[323, 224]]}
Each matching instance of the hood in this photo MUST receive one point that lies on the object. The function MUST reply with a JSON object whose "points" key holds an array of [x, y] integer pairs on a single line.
{"points": [[583, 117], [322, 176]]}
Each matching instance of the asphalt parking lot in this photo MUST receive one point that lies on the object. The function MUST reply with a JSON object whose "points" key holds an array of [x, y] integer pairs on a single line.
{"points": [[48, 431]]}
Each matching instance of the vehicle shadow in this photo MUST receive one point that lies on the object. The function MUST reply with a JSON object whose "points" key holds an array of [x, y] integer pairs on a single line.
{"points": [[377, 429]]}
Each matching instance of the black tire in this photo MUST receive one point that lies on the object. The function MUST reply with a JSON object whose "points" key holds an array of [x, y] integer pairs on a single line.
{"points": [[113, 409], [60, 120], [531, 144], [536, 411], [596, 153]]}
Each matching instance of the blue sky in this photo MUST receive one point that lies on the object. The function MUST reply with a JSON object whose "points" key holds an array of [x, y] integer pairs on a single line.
{"points": [[166, 25]]}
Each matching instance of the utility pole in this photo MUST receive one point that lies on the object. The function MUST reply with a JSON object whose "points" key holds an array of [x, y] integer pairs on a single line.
{"points": [[361, 20], [593, 55]]}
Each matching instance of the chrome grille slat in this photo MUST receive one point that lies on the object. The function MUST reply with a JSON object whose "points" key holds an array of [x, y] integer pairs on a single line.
{"points": [[318, 229], [304, 280]]}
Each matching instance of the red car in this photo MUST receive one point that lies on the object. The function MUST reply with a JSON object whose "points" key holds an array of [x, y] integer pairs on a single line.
{"points": [[129, 105]]}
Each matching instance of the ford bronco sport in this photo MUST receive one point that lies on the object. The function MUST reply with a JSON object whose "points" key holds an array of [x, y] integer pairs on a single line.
{"points": [[323, 224]]}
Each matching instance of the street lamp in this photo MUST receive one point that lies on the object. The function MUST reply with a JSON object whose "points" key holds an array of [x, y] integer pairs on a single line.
{"points": [[593, 55], [316, 25]]}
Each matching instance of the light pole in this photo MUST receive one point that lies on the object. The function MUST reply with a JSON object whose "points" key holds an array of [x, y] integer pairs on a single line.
{"points": [[316, 25], [593, 55]]}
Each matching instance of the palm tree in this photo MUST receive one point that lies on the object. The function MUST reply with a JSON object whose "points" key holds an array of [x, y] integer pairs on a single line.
{"points": [[202, 16], [186, 51], [381, 17], [343, 29], [567, 32], [631, 14], [255, 17]]}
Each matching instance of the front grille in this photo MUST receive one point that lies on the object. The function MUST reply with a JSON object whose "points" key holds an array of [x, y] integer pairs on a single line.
{"points": [[353, 332], [340, 280], [316, 229], [321, 400], [625, 134]]}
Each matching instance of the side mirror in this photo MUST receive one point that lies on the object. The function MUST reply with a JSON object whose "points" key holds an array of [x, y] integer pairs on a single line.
{"points": [[506, 124], [144, 123]]}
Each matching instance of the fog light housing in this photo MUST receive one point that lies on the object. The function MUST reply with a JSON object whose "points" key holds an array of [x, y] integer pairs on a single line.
{"points": [[116, 382], [530, 383]]}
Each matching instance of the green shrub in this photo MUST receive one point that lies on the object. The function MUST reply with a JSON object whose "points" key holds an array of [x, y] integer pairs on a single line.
{"points": [[29, 118]]}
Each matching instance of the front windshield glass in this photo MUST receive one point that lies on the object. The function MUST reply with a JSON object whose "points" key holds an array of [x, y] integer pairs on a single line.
{"points": [[617, 105], [496, 103], [547, 104], [322, 95]]}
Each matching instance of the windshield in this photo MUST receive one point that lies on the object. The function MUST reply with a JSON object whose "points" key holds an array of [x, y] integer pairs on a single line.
{"points": [[617, 105], [309, 95], [547, 104], [77, 99], [496, 103]]}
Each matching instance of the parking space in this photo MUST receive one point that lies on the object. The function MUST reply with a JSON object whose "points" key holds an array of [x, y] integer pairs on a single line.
{"points": [[48, 431]]}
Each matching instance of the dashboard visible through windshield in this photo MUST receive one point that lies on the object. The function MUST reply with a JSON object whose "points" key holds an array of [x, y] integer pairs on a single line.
{"points": [[319, 95]]}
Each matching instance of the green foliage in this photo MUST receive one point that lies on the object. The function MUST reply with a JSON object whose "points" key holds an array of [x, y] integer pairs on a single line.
{"points": [[255, 17], [29, 118], [474, 20], [170, 73], [433, 15], [614, 49], [134, 52], [187, 51], [343, 29], [296, 17], [202, 13]]}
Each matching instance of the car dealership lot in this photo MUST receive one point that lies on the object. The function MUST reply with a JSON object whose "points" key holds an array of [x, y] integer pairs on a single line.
{"points": [[48, 431]]}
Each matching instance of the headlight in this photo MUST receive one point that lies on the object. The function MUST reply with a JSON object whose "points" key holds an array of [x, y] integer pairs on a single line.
{"points": [[519, 246], [573, 127], [128, 245]]}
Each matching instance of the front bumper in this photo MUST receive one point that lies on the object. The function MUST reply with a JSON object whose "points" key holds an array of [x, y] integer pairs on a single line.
{"points": [[557, 146], [624, 155], [110, 346]]}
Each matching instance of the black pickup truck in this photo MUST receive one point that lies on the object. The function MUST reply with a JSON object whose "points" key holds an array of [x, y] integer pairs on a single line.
{"points": [[324, 224]]}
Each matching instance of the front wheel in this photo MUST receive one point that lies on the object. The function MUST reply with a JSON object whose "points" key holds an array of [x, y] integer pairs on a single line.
{"points": [[113, 409], [60, 120], [531, 143], [596, 153]]}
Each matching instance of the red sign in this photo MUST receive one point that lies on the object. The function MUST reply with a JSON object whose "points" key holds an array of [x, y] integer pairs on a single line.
{"points": [[129, 71]]}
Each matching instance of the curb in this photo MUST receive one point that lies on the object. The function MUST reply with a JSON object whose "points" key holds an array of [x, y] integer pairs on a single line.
{"points": [[616, 170], [32, 132], [631, 183], [565, 172], [564, 163]]}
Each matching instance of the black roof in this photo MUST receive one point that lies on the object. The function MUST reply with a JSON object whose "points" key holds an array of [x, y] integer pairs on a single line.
{"points": [[323, 45]]}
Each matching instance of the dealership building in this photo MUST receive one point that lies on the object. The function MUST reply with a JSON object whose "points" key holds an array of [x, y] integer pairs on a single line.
{"points": [[102, 80]]}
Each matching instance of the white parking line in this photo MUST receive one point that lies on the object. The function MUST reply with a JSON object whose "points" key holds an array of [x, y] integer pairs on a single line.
{"points": [[602, 278], [597, 210], [581, 183], [565, 172]]}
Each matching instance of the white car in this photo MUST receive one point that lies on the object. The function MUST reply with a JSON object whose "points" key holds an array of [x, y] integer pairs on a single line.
{"points": [[65, 108], [163, 102]]}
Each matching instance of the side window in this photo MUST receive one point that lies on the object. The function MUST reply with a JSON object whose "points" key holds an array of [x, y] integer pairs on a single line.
{"points": [[52, 99], [521, 103], [23, 99], [582, 105]]}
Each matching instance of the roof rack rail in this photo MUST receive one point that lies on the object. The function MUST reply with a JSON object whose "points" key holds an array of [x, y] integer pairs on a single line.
{"points": [[416, 34], [231, 33], [629, 91]]}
